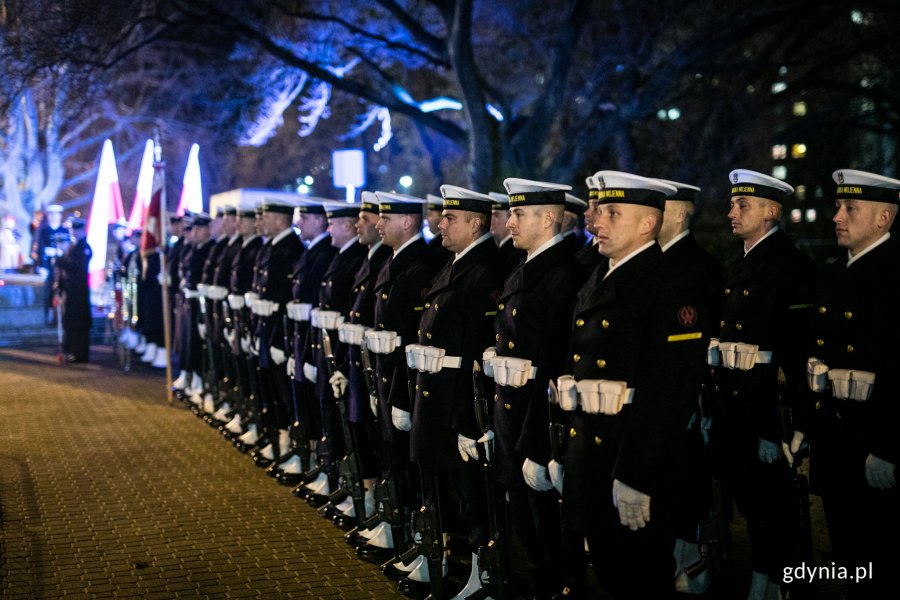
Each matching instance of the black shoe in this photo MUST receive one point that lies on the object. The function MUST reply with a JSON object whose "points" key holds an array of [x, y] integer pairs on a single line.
{"points": [[414, 589], [374, 554], [317, 500]]}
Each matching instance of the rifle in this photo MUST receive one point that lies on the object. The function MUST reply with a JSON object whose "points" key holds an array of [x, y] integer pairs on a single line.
{"points": [[801, 535], [428, 536], [298, 432], [210, 382], [349, 467], [493, 557], [387, 496]]}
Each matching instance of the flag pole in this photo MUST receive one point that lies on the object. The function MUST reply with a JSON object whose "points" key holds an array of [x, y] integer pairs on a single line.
{"points": [[163, 221]]}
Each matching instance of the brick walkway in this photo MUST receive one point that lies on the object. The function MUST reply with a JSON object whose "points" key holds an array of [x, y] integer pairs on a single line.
{"points": [[107, 491]]}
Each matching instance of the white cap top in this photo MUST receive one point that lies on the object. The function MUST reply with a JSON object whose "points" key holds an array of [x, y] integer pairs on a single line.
{"points": [[501, 199], [861, 185], [752, 183], [515, 185], [628, 188], [53, 208]]}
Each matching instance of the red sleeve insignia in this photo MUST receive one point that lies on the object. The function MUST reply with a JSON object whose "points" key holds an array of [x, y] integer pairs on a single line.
{"points": [[687, 316]]}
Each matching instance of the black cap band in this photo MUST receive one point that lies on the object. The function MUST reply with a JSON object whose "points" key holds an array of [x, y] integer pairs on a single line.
{"points": [[400, 208], [344, 211], [283, 209], [537, 198], [867, 192], [312, 209], [469, 204], [684, 195], [637, 196], [368, 207]]}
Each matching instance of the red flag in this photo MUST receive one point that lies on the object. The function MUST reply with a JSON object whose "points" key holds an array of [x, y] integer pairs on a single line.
{"points": [[152, 234]]}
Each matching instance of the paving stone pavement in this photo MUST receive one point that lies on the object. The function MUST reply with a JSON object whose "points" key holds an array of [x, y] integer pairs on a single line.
{"points": [[107, 491]]}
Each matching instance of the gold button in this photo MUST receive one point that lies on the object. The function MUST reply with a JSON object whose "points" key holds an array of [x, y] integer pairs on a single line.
{"points": [[727, 291], [822, 310], [358, 314], [428, 335], [721, 323], [507, 406], [514, 312], [579, 323], [418, 332], [356, 289], [572, 432], [435, 306], [818, 406], [384, 380], [717, 388], [383, 296], [428, 305], [738, 326], [820, 342], [497, 338], [501, 306], [576, 357], [604, 324], [510, 345], [357, 362], [417, 387], [425, 393], [848, 315], [597, 440], [362, 287], [601, 363], [849, 347], [746, 293], [496, 397], [734, 392]]}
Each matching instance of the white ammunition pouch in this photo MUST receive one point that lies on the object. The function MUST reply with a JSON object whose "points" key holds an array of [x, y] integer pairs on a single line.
{"points": [[848, 384], [216, 292], [382, 342], [430, 359], [298, 311], [713, 356], [816, 374], [351, 333], [202, 290], [596, 396], [743, 357], [250, 298], [325, 319], [235, 301], [486, 357], [511, 371], [264, 308]]}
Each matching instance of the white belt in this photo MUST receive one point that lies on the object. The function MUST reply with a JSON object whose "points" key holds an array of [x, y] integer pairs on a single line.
{"points": [[603, 396], [846, 384], [736, 355], [190, 294], [325, 319], [430, 359], [264, 308], [202, 290], [352, 333], [382, 342], [236, 301], [216, 292], [250, 298], [298, 311]]}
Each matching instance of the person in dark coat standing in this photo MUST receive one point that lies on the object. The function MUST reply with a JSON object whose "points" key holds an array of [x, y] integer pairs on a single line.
{"points": [[852, 376], [573, 238], [588, 256], [532, 332], [72, 285], [191, 276], [44, 253], [509, 256], [439, 254], [636, 361], [696, 267], [766, 306]]}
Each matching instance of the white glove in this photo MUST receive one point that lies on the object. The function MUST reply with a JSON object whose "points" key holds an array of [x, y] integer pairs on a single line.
{"points": [[202, 329], [291, 368], [245, 344], [467, 447], [310, 372], [634, 506], [254, 347], [160, 278], [791, 449], [373, 404], [277, 355], [338, 383], [705, 426], [43, 272], [401, 419], [229, 336], [536, 476], [556, 475], [768, 452], [879, 473]]}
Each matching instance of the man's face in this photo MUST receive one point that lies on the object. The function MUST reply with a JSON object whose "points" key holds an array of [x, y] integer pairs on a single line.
{"points": [[618, 229], [456, 228], [247, 226], [176, 228], [272, 223], [434, 219], [498, 224], [54, 219], [229, 225], [589, 216], [856, 223], [310, 225], [201, 233], [748, 217], [390, 228], [341, 230], [365, 228], [526, 225]]}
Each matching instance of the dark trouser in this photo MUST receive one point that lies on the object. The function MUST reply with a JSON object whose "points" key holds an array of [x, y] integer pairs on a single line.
{"points": [[536, 522], [276, 393]]}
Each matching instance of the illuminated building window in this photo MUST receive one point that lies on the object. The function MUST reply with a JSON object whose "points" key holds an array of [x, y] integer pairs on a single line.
{"points": [[779, 152], [796, 215], [800, 109], [811, 215], [800, 192], [779, 172], [798, 150]]}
